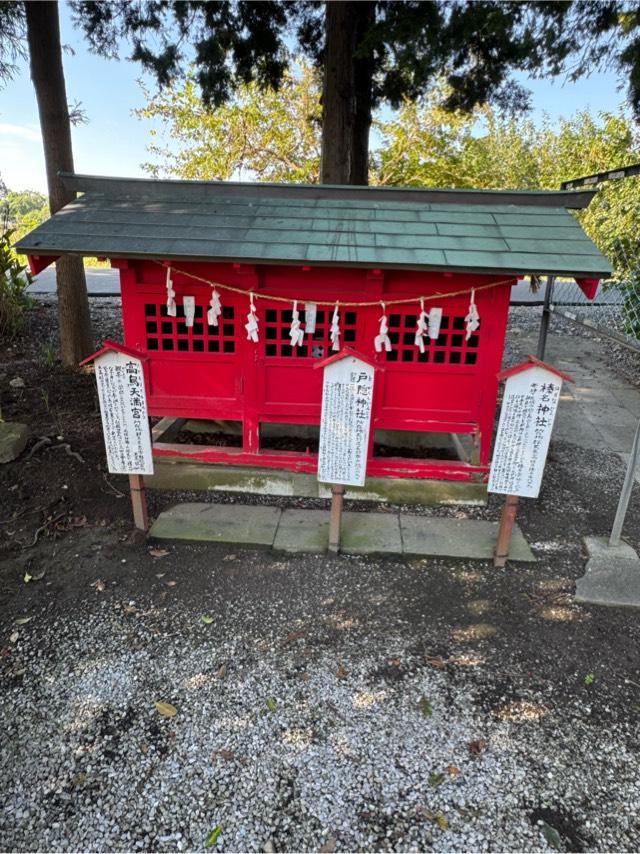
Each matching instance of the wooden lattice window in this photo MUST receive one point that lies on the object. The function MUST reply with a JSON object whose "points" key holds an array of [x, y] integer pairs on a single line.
{"points": [[450, 348], [171, 334], [317, 345]]}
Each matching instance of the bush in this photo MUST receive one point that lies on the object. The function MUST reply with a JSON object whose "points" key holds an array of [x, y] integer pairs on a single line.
{"points": [[14, 281]]}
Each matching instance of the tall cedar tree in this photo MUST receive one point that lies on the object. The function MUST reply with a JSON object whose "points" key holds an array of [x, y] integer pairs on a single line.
{"points": [[45, 57], [372, 51]]}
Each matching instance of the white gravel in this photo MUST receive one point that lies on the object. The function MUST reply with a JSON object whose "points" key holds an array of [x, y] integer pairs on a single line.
{"points": [[342, 762]]}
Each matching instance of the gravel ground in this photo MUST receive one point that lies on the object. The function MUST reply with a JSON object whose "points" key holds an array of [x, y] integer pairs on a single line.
{"points": [[323, 704], [381, 725]]}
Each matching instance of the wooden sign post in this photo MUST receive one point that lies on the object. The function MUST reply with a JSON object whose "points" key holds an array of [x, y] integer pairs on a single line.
{"points": [[347, 397], [529, 405], [125, 423]]}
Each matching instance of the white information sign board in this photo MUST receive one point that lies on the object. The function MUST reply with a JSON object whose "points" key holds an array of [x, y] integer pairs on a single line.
{"points": [[524, 431], [123, 407], [347, 395]]}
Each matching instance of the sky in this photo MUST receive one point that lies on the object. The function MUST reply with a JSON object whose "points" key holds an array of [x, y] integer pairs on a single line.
{"points": [[114, 141]]}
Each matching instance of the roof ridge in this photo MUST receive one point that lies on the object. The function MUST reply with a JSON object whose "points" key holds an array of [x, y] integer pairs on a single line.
{"points": [[194, 189]]}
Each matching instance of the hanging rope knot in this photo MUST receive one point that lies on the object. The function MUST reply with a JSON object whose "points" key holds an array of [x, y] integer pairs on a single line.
{"points": [[421, 327], [296, 333], [382, 338], [473, 318], [334, 331], [171, 294], [252, 321], [215, 309]]}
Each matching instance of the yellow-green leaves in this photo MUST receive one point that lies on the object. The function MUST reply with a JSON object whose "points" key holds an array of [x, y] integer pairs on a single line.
{"points": [[213, 837], [166, 709]]}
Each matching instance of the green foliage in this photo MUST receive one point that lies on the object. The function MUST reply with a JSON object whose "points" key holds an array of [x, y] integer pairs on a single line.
{"points": [[25, 203], [24, 210], [14, 280], [261, 134], [48, 355], [426, 146]]}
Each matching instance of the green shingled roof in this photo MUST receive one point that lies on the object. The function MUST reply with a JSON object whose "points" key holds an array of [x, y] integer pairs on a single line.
{"points": [[482, 231]]}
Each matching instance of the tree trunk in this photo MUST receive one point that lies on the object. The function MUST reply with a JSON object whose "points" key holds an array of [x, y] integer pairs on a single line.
{"points": [[45, 55], [363, 79], [346, 94]]}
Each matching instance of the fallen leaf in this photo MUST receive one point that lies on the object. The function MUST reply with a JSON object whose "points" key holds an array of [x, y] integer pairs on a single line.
{"points": [[158, 552], [435, 661], [221, 672], [13, 637], [227, 755], [476, 747], [213, 837], [436, 817], [80, 779], [452, 770], [206, 619], [396, 662], [229, 557], [38, 576], [79, 521], [99, 585], [329, 846], [441, 821], [22, 621], [425, 707], [425, 812], [166, 709], [27, 578], [159, 574], [144, 748], [294, 636], [552, 836], [342, 671], [271, 704], [436, 779], [171, 583], [5, 651]]}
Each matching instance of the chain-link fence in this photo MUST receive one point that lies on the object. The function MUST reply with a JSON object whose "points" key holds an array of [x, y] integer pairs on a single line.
{"points": [[615, 312]]}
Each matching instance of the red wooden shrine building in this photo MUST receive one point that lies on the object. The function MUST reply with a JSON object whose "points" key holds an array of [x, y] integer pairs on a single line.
{"points": [[367, 252]]}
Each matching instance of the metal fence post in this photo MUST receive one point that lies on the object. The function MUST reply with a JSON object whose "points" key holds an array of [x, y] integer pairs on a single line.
{"points": [[625, 495], [546, 316]]}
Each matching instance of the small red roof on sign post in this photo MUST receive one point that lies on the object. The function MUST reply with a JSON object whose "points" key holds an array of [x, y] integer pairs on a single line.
{"points": [[532, 362], [348, 352], [108, 346]]}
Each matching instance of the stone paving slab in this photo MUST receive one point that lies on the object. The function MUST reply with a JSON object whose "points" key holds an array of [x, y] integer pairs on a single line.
{"points": [[470, 538], [609, 581], [303, 531], [370, 533], [221, 523], [308, 531], [599, 547]]}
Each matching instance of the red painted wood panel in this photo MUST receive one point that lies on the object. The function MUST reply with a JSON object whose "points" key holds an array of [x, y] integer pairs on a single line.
{"points": [[215, 372]]}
